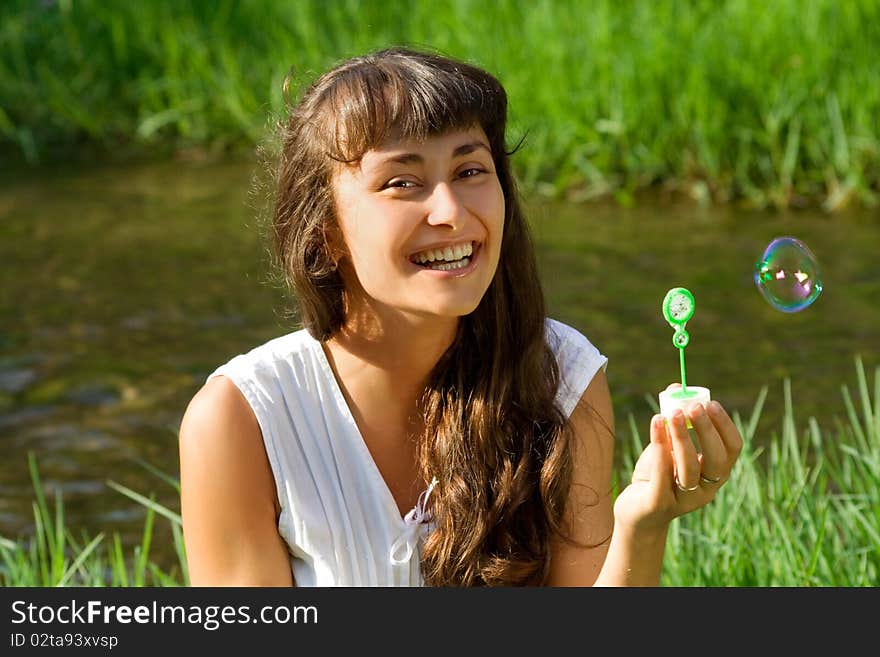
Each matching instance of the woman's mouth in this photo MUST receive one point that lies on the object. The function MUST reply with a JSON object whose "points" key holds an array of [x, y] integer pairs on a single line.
{"points": [[453, 268]]}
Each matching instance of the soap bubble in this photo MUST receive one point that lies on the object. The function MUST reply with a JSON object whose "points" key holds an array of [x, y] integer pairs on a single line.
{"points": [[788, 275]]}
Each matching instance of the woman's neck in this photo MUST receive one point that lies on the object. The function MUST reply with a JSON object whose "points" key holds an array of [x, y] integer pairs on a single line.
{"points": [[389, 361]]}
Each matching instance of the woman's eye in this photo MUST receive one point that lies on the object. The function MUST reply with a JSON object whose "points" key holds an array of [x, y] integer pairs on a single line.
{"points": [[470, 173], [400, 184]]}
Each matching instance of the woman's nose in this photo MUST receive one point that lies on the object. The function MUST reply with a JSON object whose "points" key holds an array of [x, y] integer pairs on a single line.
{"points": [[445, 206]]}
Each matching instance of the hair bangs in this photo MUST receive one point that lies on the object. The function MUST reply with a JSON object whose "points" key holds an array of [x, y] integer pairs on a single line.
{"points": [[373, 102]]}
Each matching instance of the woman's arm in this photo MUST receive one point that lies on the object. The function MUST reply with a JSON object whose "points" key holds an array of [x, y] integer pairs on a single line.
{"points": [[589, 511], [228, 498], [670, 479]]}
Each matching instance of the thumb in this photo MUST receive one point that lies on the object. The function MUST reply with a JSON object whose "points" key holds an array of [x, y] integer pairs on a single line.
{"points": [[646, 465], [659, 435], [662, 466]]}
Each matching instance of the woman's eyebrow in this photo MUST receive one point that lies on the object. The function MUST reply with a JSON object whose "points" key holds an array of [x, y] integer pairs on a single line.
{"points": [[464, 149], [410, 158]]}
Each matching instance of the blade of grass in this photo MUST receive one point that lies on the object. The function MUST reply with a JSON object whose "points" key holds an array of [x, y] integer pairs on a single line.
{"points": [[117, 560], [140, 565], [151, 504], [80, 559], [168, 479], [756, 415]]}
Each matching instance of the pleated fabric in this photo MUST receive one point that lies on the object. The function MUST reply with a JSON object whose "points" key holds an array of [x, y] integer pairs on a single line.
{"points": [[338, 517]]}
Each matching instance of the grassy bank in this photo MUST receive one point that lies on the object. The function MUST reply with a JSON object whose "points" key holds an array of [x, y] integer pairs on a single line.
{"points": [[773, 104], [805, 511], [56, 555]]}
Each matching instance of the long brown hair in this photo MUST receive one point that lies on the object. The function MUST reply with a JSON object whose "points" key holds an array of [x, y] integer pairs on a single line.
{"points": [[494, 436]]}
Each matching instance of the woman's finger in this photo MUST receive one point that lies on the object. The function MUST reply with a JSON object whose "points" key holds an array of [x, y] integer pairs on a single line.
{"points": [[658, 430], [644, 467], [730, 435], [663, 465], [714, 460], [687, 466]]}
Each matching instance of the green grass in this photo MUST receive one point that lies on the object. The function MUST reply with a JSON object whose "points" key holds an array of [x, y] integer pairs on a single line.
{"points": [[773, 104], [803, 511], [55, 556]]}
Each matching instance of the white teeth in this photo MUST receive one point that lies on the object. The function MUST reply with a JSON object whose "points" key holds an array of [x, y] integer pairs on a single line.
{"points": [[449, 266], [449, 253]]}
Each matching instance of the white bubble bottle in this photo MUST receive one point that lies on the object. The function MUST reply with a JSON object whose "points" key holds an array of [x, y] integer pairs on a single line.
{"points": [[678, 308]]}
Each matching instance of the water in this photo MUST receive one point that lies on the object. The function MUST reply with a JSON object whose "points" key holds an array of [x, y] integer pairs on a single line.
{"points": [[124, 287], [610, 269]]}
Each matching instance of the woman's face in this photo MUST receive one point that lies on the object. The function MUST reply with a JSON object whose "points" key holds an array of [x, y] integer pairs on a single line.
{"points": [[434, 201]]}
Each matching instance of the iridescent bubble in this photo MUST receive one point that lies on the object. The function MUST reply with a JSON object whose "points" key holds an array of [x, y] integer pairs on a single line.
{"points": [[788, 275]]}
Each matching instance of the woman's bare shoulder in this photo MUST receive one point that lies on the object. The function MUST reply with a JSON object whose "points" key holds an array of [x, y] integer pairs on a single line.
{"points": [[220, 401], [219, 431], [228, 498]]}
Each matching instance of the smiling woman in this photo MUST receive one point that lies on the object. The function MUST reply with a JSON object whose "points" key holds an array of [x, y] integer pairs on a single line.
{"points": [[435, 197], [428, 423]]}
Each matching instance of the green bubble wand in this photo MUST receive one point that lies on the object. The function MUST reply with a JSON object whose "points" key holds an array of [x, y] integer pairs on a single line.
{"points": [[678, 308]]}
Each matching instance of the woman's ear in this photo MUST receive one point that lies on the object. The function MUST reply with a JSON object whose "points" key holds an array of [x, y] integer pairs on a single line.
{"points": [[335, 245]]}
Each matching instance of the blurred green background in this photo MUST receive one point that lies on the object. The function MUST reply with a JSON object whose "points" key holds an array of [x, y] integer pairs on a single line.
{"points": [[775, 103]]}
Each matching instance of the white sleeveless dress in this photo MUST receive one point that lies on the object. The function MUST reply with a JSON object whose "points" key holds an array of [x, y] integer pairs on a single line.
{"points": [[338, 517]]}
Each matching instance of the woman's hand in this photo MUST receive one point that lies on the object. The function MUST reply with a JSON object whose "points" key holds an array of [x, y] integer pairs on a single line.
{"points": [[670, 477]]}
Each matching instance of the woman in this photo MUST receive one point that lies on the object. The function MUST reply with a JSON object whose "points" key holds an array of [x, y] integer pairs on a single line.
{"points": [[428, 424]]}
